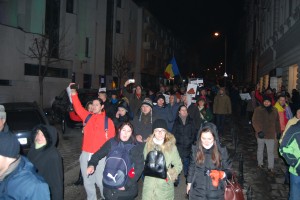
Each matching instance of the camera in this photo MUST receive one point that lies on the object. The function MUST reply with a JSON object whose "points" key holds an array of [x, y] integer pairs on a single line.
{"points": [[131, 80]]}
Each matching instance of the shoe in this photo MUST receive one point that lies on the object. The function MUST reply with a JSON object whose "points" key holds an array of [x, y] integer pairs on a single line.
{"points": [[176, 184], [186, 196]]}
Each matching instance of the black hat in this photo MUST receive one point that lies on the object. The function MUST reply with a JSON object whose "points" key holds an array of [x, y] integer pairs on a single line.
{"points": [[161, 96], [123, 104], [9, 145], [267, 98], [159, 123], [148, 102]]}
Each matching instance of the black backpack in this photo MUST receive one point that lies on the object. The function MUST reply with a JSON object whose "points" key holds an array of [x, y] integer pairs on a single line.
{"points": [[155, 165], [117, 165]]}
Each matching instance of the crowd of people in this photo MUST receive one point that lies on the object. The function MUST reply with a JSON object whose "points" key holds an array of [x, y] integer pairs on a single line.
{"points": [[131, 131]]}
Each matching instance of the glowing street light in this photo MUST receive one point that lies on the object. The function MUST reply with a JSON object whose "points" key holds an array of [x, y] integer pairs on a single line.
{"points": [[217, 34]]}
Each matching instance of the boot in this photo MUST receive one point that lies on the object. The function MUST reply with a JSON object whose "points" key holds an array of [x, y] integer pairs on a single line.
{"points": [[79, 180]]}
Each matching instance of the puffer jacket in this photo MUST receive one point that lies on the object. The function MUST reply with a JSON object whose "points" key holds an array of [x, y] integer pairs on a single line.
{"points": [[185, 135], [201, 184], [24, 183], [157, 188]]}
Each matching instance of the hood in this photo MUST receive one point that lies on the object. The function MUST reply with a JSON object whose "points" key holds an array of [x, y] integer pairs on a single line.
{"points": [[49, 132], [165, 147], [212, 127]]}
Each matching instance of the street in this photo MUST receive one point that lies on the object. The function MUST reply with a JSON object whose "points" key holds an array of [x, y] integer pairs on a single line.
{"points": [[262, 184]]}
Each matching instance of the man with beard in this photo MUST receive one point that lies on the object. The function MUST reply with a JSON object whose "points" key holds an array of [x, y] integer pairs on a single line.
{"points": [[266, 124]]}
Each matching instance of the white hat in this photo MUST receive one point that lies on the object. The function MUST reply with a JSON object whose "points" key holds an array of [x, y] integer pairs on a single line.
{"points": [[2, 112]]}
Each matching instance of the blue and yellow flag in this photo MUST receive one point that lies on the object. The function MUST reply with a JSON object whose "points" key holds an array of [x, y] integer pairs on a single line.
{"points": [[172, 69]]}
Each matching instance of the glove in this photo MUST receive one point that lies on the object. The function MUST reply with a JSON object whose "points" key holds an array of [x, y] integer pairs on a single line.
{"points": [[131, 173], [261, 134], [172, 173], [216, 176], [278, 136]]}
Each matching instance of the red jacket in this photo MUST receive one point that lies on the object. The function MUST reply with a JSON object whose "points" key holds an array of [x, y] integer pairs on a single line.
{"points": [[94, 134]]}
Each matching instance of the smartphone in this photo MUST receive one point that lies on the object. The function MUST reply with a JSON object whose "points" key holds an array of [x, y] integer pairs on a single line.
{"points": [[74, 86], [131, 80]]}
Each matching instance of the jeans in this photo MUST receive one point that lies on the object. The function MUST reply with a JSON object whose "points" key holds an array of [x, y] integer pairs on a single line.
{"points": [[294, 187], [186, 164], [220, 120]]}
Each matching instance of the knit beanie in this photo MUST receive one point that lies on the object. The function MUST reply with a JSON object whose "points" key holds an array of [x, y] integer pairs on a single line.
{"points": [[267, 98], [159, 123], [148, 102], [9, 145], [161, 96]]}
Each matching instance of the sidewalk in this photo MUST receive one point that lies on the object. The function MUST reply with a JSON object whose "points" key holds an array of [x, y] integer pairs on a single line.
{"points": [[264, 186]]}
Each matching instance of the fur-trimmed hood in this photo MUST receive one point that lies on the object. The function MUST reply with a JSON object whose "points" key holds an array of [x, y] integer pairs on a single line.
{"points": [[167, 146]]}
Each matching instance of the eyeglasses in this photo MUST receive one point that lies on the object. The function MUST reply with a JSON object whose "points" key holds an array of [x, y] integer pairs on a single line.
{"points": [[159, 130]]}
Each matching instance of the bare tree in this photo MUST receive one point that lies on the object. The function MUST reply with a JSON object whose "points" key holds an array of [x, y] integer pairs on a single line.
{"points": [[121, 67], [46, 51]]}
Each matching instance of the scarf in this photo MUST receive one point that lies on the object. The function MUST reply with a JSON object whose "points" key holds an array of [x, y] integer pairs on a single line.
{"points": [[183, 119]]}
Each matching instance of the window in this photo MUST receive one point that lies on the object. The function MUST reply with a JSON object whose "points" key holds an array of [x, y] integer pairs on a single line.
{"points": [[87, 81], [87, 41], [119, 3], [70, 6], [5, 82], [33, 70], [118, 26]]}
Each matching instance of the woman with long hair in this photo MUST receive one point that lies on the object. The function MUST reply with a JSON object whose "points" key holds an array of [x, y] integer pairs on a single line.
{"points": [[126, 136], [209, 166]]}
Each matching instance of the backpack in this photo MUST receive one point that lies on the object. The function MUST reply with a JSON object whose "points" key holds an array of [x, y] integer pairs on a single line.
{"points": [[155, 165], [117, 165]]}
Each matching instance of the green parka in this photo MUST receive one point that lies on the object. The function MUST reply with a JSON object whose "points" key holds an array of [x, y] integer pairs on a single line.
{"points": [[156, 188]]}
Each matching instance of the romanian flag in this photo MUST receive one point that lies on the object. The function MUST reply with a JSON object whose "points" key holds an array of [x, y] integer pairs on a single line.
{"points": [[172, 69]]}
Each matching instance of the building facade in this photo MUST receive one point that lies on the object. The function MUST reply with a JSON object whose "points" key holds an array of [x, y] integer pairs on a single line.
{"points": [[272, 45]]}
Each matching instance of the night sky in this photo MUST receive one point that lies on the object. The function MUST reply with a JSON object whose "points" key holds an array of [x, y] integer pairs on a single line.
{"points": [[195, 21]]}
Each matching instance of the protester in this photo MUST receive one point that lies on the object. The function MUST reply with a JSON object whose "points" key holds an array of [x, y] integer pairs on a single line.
{"points": [[172, 109], [47, 159], [122, 114], [221, 108], [209, 166], [200, 113], [108, 107], [142, 122], [136, 98], [266, 124], [95, 135], [161, 112], [185, 133], [18, 177], [157, 188], [3, 125], [125, 136], [289, 149]]}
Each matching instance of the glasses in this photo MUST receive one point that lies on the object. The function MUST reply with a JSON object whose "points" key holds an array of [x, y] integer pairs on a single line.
{"points": [[159, 130]]}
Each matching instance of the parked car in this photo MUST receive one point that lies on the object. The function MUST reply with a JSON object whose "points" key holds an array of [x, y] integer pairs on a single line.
{"points": [[21, 117], [62, 111]]}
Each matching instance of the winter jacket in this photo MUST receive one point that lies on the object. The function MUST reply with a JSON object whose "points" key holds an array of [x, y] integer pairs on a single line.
{"points": [[156, 188], [94, 134], [222, 105], [172, 113], [121, 120], [290, 148], [24, 183], [185, 135], [284, 115], [131, 187], [162, 113], [143, 124], [200, 116], [48, 162], [291, 122], [135, 102], [201, 184], [266, 122]]}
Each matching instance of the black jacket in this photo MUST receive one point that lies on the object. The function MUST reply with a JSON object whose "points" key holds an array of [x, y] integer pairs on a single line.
{"points": [[136, 156], [185, 135], [201, 184], [48, 162]]}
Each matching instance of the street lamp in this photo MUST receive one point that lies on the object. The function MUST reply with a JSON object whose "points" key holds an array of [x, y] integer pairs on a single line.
{"points": [[217, 34]]}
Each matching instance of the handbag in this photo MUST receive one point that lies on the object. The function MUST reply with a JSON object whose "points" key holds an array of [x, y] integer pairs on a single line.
{"points": [[155, 165], [233, 190]]}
